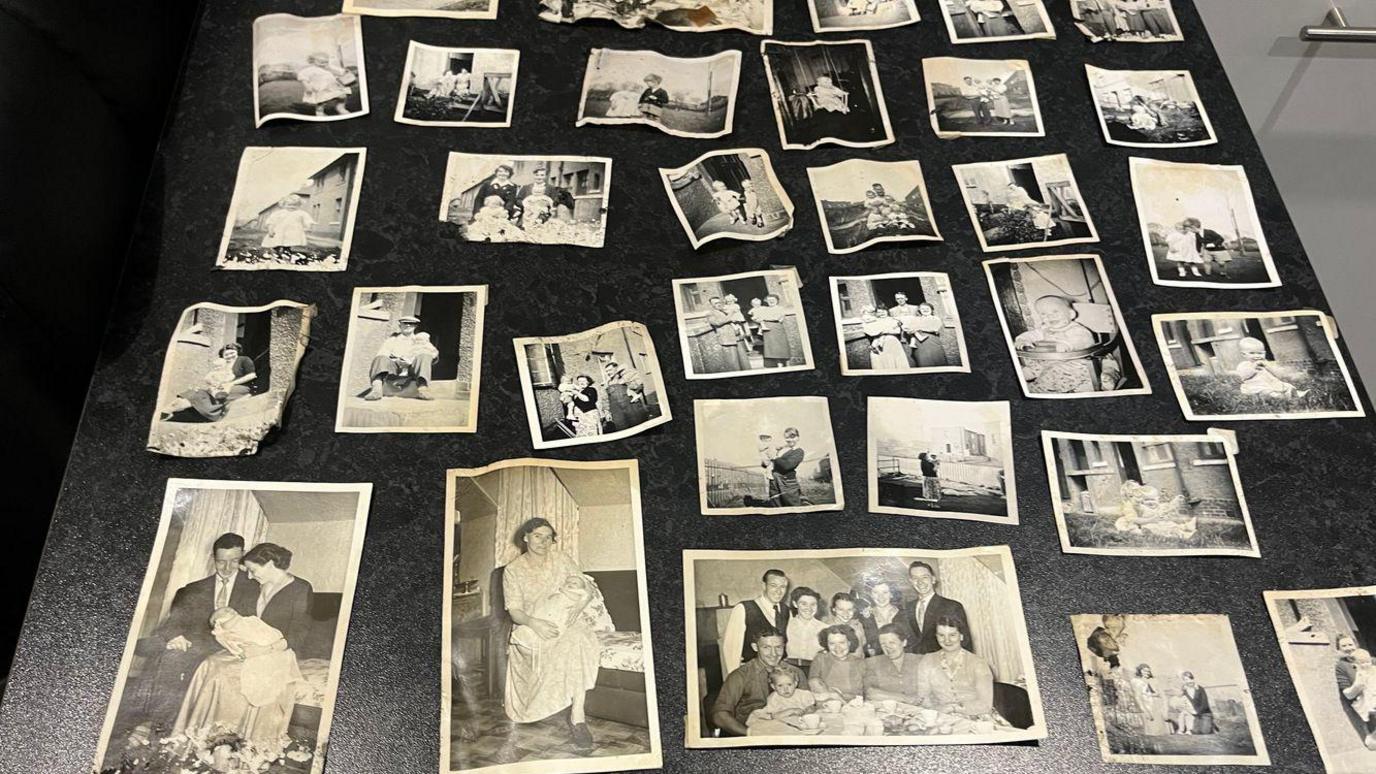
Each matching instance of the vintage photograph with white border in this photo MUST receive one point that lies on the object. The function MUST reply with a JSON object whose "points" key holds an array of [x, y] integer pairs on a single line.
{"points": [[729, 194], [1149, 108], [994, 21], [727, 325], [877, 338], [682, 96], [981, 97], [814, 103], [308, 68], [458, 86], [1022, 204], [546, 200], [853, 15], [444, 9], [1144, 21], [857, 210], [753, 16]]}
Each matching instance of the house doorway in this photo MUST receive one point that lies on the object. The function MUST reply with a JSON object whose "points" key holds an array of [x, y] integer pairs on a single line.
{"points": [[441, 316]]}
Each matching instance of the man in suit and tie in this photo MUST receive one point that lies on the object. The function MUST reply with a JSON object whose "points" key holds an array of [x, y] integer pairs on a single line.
{"points": [[921, 614], [747, 619]]}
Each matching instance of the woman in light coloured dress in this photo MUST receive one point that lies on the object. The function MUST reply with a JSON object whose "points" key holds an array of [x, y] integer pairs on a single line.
{"points": [[952, 679]]}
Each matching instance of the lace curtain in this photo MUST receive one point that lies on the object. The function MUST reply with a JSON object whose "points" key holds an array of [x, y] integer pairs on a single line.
{"points": [[208, 514], [981, 588], [526, 492]]}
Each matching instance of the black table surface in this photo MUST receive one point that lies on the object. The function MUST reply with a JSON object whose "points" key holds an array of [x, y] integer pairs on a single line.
{"points": [[1308, 482]]}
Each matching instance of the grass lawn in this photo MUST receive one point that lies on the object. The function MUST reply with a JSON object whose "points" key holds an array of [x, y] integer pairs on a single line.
{"points": [[675, 118], [1245, 267], [1232, 738], [1220, 396], [964, 121], [1088, 530]]}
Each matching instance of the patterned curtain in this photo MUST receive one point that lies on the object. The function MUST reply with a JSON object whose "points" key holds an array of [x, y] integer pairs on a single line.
{"points": [[208, 514], [530, 491], [984, 593]]}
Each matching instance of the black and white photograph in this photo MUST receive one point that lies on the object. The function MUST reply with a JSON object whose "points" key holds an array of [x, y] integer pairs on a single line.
{"points": [[308, 68], [442, 9], [857, 647], [981, 98], [1168, 690], [1150, 108], [293, 209], [1327, 637], [946, 459], [900, 323], [445, 86], [1148, 495], [826, 93], [682, 96], [413, 362], [769, 456], [546, 200], [1025, 203], [1064, 330], [547, 660], [748, 324], [862, 202], [226, 378], [1200, 227], [753, 16], [598, 385], [1256, 365], [849, 15], [994, 21], [1126, 21], [729, 194], [234, 652]]}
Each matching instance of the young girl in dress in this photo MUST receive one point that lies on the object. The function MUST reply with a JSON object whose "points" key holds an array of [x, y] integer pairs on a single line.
{"points": [[537, 207], [728, 201], [1182, 249], [1260, 376], [730, 305], [287, 225], [1059, 332], [491, 223], [753, 214], [830, 97], [324, 85]]}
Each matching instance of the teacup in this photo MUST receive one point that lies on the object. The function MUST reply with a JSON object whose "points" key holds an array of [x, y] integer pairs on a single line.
{"points": [[812, 720]]}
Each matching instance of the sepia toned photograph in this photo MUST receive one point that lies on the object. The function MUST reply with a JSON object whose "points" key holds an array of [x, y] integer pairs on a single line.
{"points": [[1064, 329], [413, 361], [226, 378], [753, 16], [1126, 21], [1025, 203], [308, 68], [443, 9], [981, 98], [730, 194], [1150, 108], [847, 15], [685, 97], [766, 455], [993, 21], [293, 209], [1200, 226], [1148, 495], [547, 660], [748, 324], [901, 323], [546, 200], [1327, 637], [445, 86], [826, 93], [945, 459], [598, 385], [857, 647], [1168, 690], [861, 203], [234, 652], [1256, 365]]}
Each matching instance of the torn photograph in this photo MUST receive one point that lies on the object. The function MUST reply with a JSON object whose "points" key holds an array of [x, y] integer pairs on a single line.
{"points": [[753, 16], [862, 202], [234, 652], [413, 360], [848, 15], [598, 385], [993, 21], [748, 324], [768, 456], [443, 9], [1200, 227], [1256, 365], [547, 200], [857, 647], [1126, 21], [226, 378], [1148, 495], [446, 86], [547, 660], [981, 98], [685, 97], [308, 68], [900, 323], [1149, 108], [1168, 690], [293, 209], [826, 93], [729, 194], [1063, 327], [1025, 203], [944, 459]]}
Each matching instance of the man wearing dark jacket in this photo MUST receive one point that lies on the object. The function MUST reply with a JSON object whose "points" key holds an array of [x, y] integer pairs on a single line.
{"points": [[921, 614]]}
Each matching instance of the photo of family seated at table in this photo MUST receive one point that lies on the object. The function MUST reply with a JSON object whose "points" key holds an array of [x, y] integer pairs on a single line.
{"points": [[854, 648]]}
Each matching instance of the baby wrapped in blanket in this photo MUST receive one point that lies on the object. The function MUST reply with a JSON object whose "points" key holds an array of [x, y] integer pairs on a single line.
{"points": [[263, 675], [571, 597]]}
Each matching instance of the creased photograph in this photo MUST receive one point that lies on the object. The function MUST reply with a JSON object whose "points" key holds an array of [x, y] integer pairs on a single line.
{"points": [[1149, 108], [413, 362], [730, 194], [682, 96], [850, 15], [441, 9], [753, 16], [446, 86], [900, 323], [1168, 690], [227, 376], [826, 93], [234, 652], [1126, 21], [857, 647], [1148, 495], [748, 324], [994, 21], [546, 200], [982, 98], [598, 385], [862, 202], [547, 660], [1025, 203], [308, 68]]}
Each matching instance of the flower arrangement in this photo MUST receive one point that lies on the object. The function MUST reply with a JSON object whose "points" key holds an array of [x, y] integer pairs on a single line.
{"points": [[209, 750]]}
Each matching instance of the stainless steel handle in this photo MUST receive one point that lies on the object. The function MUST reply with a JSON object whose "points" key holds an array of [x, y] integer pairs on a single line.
{"points": [[1335, 29]]}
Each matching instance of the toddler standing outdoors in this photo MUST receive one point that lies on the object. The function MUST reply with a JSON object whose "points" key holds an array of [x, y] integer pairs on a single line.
{"points": [[324, 84]]}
